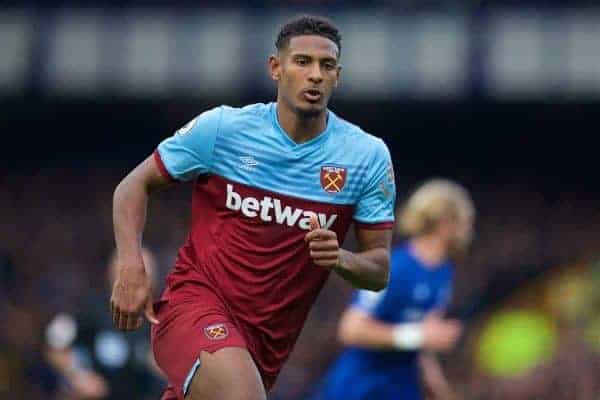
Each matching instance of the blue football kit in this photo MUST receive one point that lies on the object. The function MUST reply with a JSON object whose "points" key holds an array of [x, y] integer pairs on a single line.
{"points": [[414, 290]]}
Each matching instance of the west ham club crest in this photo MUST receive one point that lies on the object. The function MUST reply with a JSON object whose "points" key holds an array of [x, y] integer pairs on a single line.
{"points": [[333, 178], [216, 331]]}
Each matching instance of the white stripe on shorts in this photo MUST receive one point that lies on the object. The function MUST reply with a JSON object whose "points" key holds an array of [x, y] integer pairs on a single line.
{"points": [[188, 380]]}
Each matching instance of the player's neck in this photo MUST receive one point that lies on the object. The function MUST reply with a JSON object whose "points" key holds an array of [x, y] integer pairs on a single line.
{"points": [[431, 250], [300, 129]]}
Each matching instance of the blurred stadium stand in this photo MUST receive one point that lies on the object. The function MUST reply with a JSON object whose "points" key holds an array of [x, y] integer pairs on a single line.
{"points": [[503, 97], [499, 53]]}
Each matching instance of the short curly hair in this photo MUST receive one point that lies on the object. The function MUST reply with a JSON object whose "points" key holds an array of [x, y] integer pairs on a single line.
{"points": [[308, 25]]}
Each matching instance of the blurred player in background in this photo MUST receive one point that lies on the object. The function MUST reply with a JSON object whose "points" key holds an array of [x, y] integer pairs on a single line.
{"points": [[276, 187], [95, 362], [392, 336]]}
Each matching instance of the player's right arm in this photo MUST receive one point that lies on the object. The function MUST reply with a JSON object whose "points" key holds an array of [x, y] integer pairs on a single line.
{"points": [[132, 288], [60, 355], [182, 157], [359, 329]]}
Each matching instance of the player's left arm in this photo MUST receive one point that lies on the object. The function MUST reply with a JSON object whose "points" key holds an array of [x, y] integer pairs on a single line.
{"points": [[369, 268], [374, 220], [366, 269], [433, 378]]}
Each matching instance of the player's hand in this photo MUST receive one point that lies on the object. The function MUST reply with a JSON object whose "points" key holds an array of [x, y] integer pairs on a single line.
{"points": [[323, 245], [132, 296], [88, 385], [440, 334]]}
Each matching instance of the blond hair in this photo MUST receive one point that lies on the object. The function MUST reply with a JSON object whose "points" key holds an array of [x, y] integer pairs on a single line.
{"points": [[432, 202]]}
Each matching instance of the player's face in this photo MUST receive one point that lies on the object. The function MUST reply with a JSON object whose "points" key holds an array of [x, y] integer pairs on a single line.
{"points": [[456, 233], [306, 72], [463, 233]]}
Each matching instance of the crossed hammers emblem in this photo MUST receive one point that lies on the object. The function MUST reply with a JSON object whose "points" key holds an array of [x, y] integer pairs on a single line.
{"points": [[332, 183]]}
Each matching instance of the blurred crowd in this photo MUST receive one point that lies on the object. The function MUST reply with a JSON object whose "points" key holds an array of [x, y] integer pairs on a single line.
{"points": [[571, 374], [55, 248]]}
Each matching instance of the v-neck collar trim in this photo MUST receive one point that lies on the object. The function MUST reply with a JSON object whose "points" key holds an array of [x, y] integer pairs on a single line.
{"points": [[309, 143]]}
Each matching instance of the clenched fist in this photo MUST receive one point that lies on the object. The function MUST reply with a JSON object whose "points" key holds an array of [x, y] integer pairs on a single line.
{"points": [[323, 245], [132, 297]]}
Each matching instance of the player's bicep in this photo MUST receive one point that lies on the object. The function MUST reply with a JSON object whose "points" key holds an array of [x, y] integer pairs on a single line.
{"points": [[367, 301], [374, 246], [147, 176], [152, 174], [369, 239]]}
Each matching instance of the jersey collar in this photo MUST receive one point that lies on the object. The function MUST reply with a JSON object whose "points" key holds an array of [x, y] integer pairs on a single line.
{"points": [[309, 144]]}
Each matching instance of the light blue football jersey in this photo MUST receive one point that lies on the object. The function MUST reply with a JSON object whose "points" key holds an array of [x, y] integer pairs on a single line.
{"points": [[255, 191], [248, 146]]}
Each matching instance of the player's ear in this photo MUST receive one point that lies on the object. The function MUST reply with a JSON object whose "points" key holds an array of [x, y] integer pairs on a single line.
{"points": [[275, 67], [337, 76]]}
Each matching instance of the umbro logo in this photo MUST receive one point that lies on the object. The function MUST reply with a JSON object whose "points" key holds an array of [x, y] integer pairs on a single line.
{"points": [[248, 162]]}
